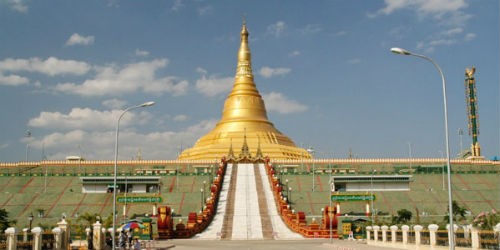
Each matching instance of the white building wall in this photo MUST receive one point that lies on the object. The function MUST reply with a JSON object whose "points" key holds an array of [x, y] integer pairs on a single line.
{"points": [[389, 186], [95, 189], [139, 188]]}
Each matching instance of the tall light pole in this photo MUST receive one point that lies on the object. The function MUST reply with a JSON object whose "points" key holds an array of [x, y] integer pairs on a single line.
{"points": [[311, 151], [371, 198], [409, 152], [450, 206], [330, 217], [27, 135], [146, 104]]}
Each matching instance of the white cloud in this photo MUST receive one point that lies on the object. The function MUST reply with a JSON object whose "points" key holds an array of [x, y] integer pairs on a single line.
{"points": [[85, 118], [276, 29], [51, 66], [114, 103], [99, 145], [453, 32], [13, 80], [113, 80], [205, 10], [268, 72], [279, 103], [178, 4], [213, 85], [311, 29], [470, 36], [354, 61], [445, 11], [18, 5], [424, 6], [139, 52], [77, 39], [340, 33], [180, 118], [442, 42], [294, 53], [201, 70]]}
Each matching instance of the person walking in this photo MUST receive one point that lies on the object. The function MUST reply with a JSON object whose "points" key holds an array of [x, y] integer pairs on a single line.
{"points": [[137, 244]]}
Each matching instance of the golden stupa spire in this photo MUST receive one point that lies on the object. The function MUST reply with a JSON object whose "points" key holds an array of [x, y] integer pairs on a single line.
{"points": [[244, 120]]}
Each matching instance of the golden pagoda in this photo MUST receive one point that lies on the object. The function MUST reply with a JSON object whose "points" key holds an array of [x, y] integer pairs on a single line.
{"points": [[244, 123]]}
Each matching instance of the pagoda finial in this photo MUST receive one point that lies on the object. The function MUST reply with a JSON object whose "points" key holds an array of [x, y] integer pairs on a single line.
{"points": [[259, 155], [245, 151], [244, 68], [231, 152]]}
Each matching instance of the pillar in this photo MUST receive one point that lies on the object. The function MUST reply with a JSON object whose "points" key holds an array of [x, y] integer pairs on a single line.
{"points": [[63, 225], [474, 238], [375, 233], [37, 238], [368, 233], [418, 229], [405, 229], [88, 235], [97, 236], [394, 229], [10, 233], [432, 234], [496, 229], [25, 234], [57, 238], [384, 233], [103, 237], [455, 227]]}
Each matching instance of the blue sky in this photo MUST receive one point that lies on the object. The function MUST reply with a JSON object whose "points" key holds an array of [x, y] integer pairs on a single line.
{"points": [[324, 69]]}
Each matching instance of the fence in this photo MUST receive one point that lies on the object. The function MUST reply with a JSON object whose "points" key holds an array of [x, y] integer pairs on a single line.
{"points": [[465, 237]]}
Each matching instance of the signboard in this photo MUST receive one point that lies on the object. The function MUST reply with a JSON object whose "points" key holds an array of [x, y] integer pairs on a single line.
{"points": [[353, 197], [139, 199]]}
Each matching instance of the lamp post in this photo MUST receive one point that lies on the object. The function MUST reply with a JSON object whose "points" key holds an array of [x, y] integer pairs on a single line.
{"points": [[332, 189], [146, 104], [448, 167], [290, 195], [202, 198], [286, 188], [311, 151], [371, 196], [30, 219], [28, 136]]}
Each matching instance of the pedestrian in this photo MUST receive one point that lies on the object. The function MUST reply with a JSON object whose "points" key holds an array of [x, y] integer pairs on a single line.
{"points": [[137, 244], [122, 240]]}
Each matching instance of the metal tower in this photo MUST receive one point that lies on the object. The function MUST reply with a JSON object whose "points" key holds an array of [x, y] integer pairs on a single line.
{"points": [[472, 110]]}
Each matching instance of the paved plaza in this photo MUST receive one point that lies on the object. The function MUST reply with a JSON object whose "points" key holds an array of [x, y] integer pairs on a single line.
{"points": [[309, 244]]}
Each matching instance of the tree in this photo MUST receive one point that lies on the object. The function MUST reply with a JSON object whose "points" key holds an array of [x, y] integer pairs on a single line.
{"points": [[403, 216], [88, 218], [4, 220], [457, 211]]}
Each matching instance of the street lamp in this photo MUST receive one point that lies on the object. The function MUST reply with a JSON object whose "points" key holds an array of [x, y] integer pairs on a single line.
{"points": [[146, 104], [286, 187], [30, 219], [202, 191], [311, 151], [332, 189], [371, 196], [28, 136], [289, 195], [450, 206]]}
